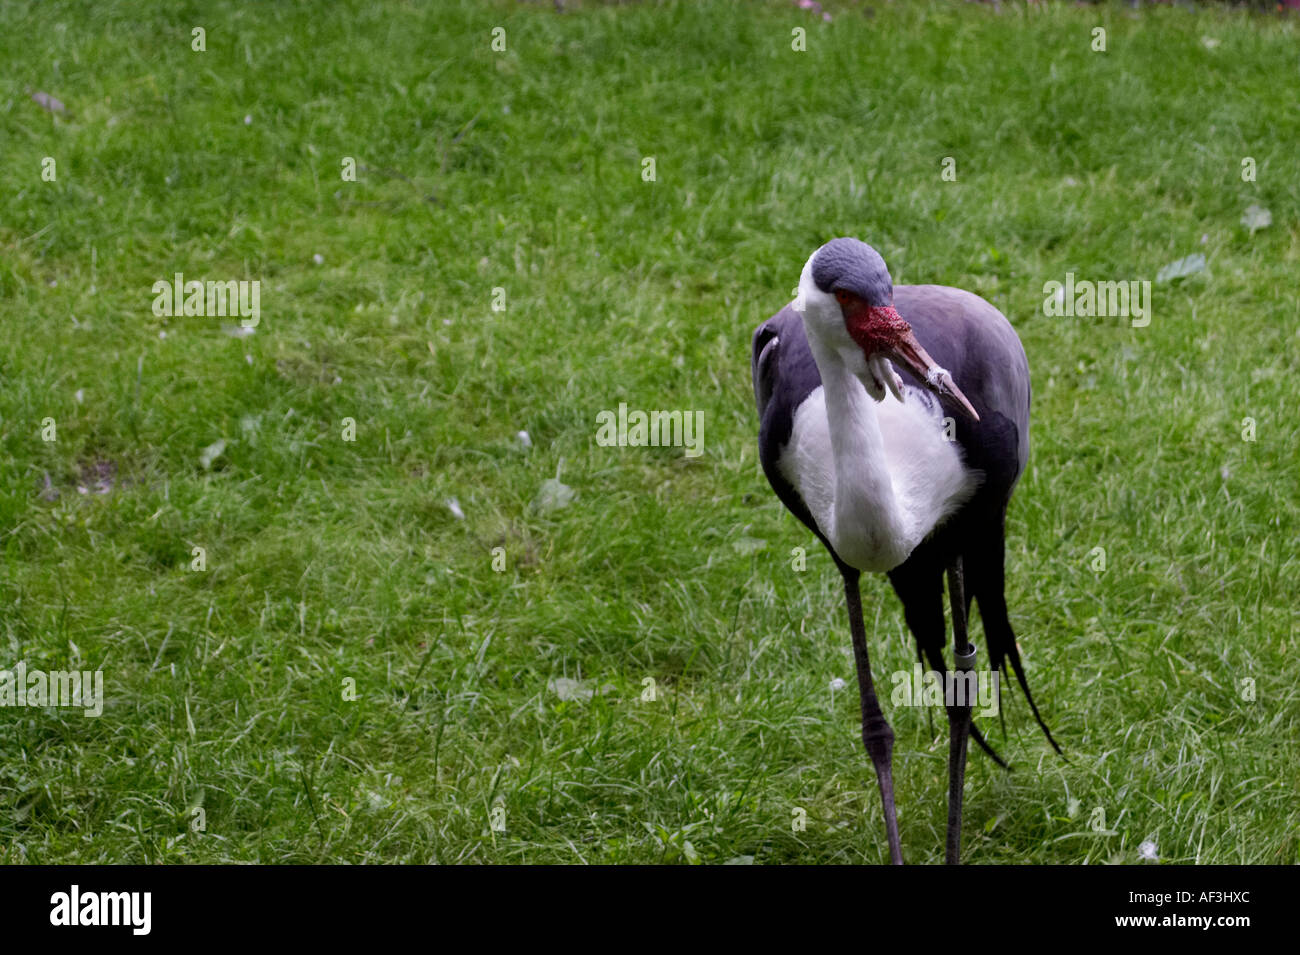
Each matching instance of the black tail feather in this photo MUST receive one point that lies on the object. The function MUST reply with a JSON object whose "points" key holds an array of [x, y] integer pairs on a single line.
{"points": [[987, 584], [919, 585], [985, 745], [1002, 650], [929, 719], [1014, 656], [940, 666]]}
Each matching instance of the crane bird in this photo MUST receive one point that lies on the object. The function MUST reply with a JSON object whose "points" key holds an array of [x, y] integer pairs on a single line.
{"points": [[875, 465]]}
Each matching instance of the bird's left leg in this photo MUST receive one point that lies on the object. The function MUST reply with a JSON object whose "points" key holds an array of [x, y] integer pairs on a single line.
{"points": [[959, 707], [877, 736]]}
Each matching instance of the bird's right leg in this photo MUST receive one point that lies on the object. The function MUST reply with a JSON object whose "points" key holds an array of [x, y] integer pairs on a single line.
{"points": [[959, 708], [877, 736], [921, 591]]}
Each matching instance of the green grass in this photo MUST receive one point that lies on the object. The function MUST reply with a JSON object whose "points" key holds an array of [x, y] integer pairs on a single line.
{"points": [[330, 561]]}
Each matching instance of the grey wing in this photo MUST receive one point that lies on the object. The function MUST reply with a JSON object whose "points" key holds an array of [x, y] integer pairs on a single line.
{"points": [[981, 350]]}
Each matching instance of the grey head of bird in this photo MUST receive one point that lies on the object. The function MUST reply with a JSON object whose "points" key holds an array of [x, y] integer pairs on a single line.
{"points": [[846, 298]]}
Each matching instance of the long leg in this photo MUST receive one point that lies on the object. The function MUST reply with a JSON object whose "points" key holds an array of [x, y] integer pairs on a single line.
{"points": [[919, 586], [877, 736], [959, 708]]}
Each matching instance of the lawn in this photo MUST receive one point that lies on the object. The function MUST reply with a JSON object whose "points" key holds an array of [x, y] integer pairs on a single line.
{"points": [[411, 635]]}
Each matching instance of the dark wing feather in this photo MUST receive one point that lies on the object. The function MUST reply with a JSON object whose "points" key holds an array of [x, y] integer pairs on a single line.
{"points": [[785, 374], [763, 364]]}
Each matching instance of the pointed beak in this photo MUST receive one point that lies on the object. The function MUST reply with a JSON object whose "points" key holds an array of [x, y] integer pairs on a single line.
{"points": [[909, 353]]}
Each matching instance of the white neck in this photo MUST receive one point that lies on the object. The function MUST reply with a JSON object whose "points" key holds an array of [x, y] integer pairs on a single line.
{"points": [[869, 526]]}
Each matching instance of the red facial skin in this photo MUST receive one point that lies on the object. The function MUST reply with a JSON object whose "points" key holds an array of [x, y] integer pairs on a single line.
{"points": [[874, 328], [881, 330]]}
